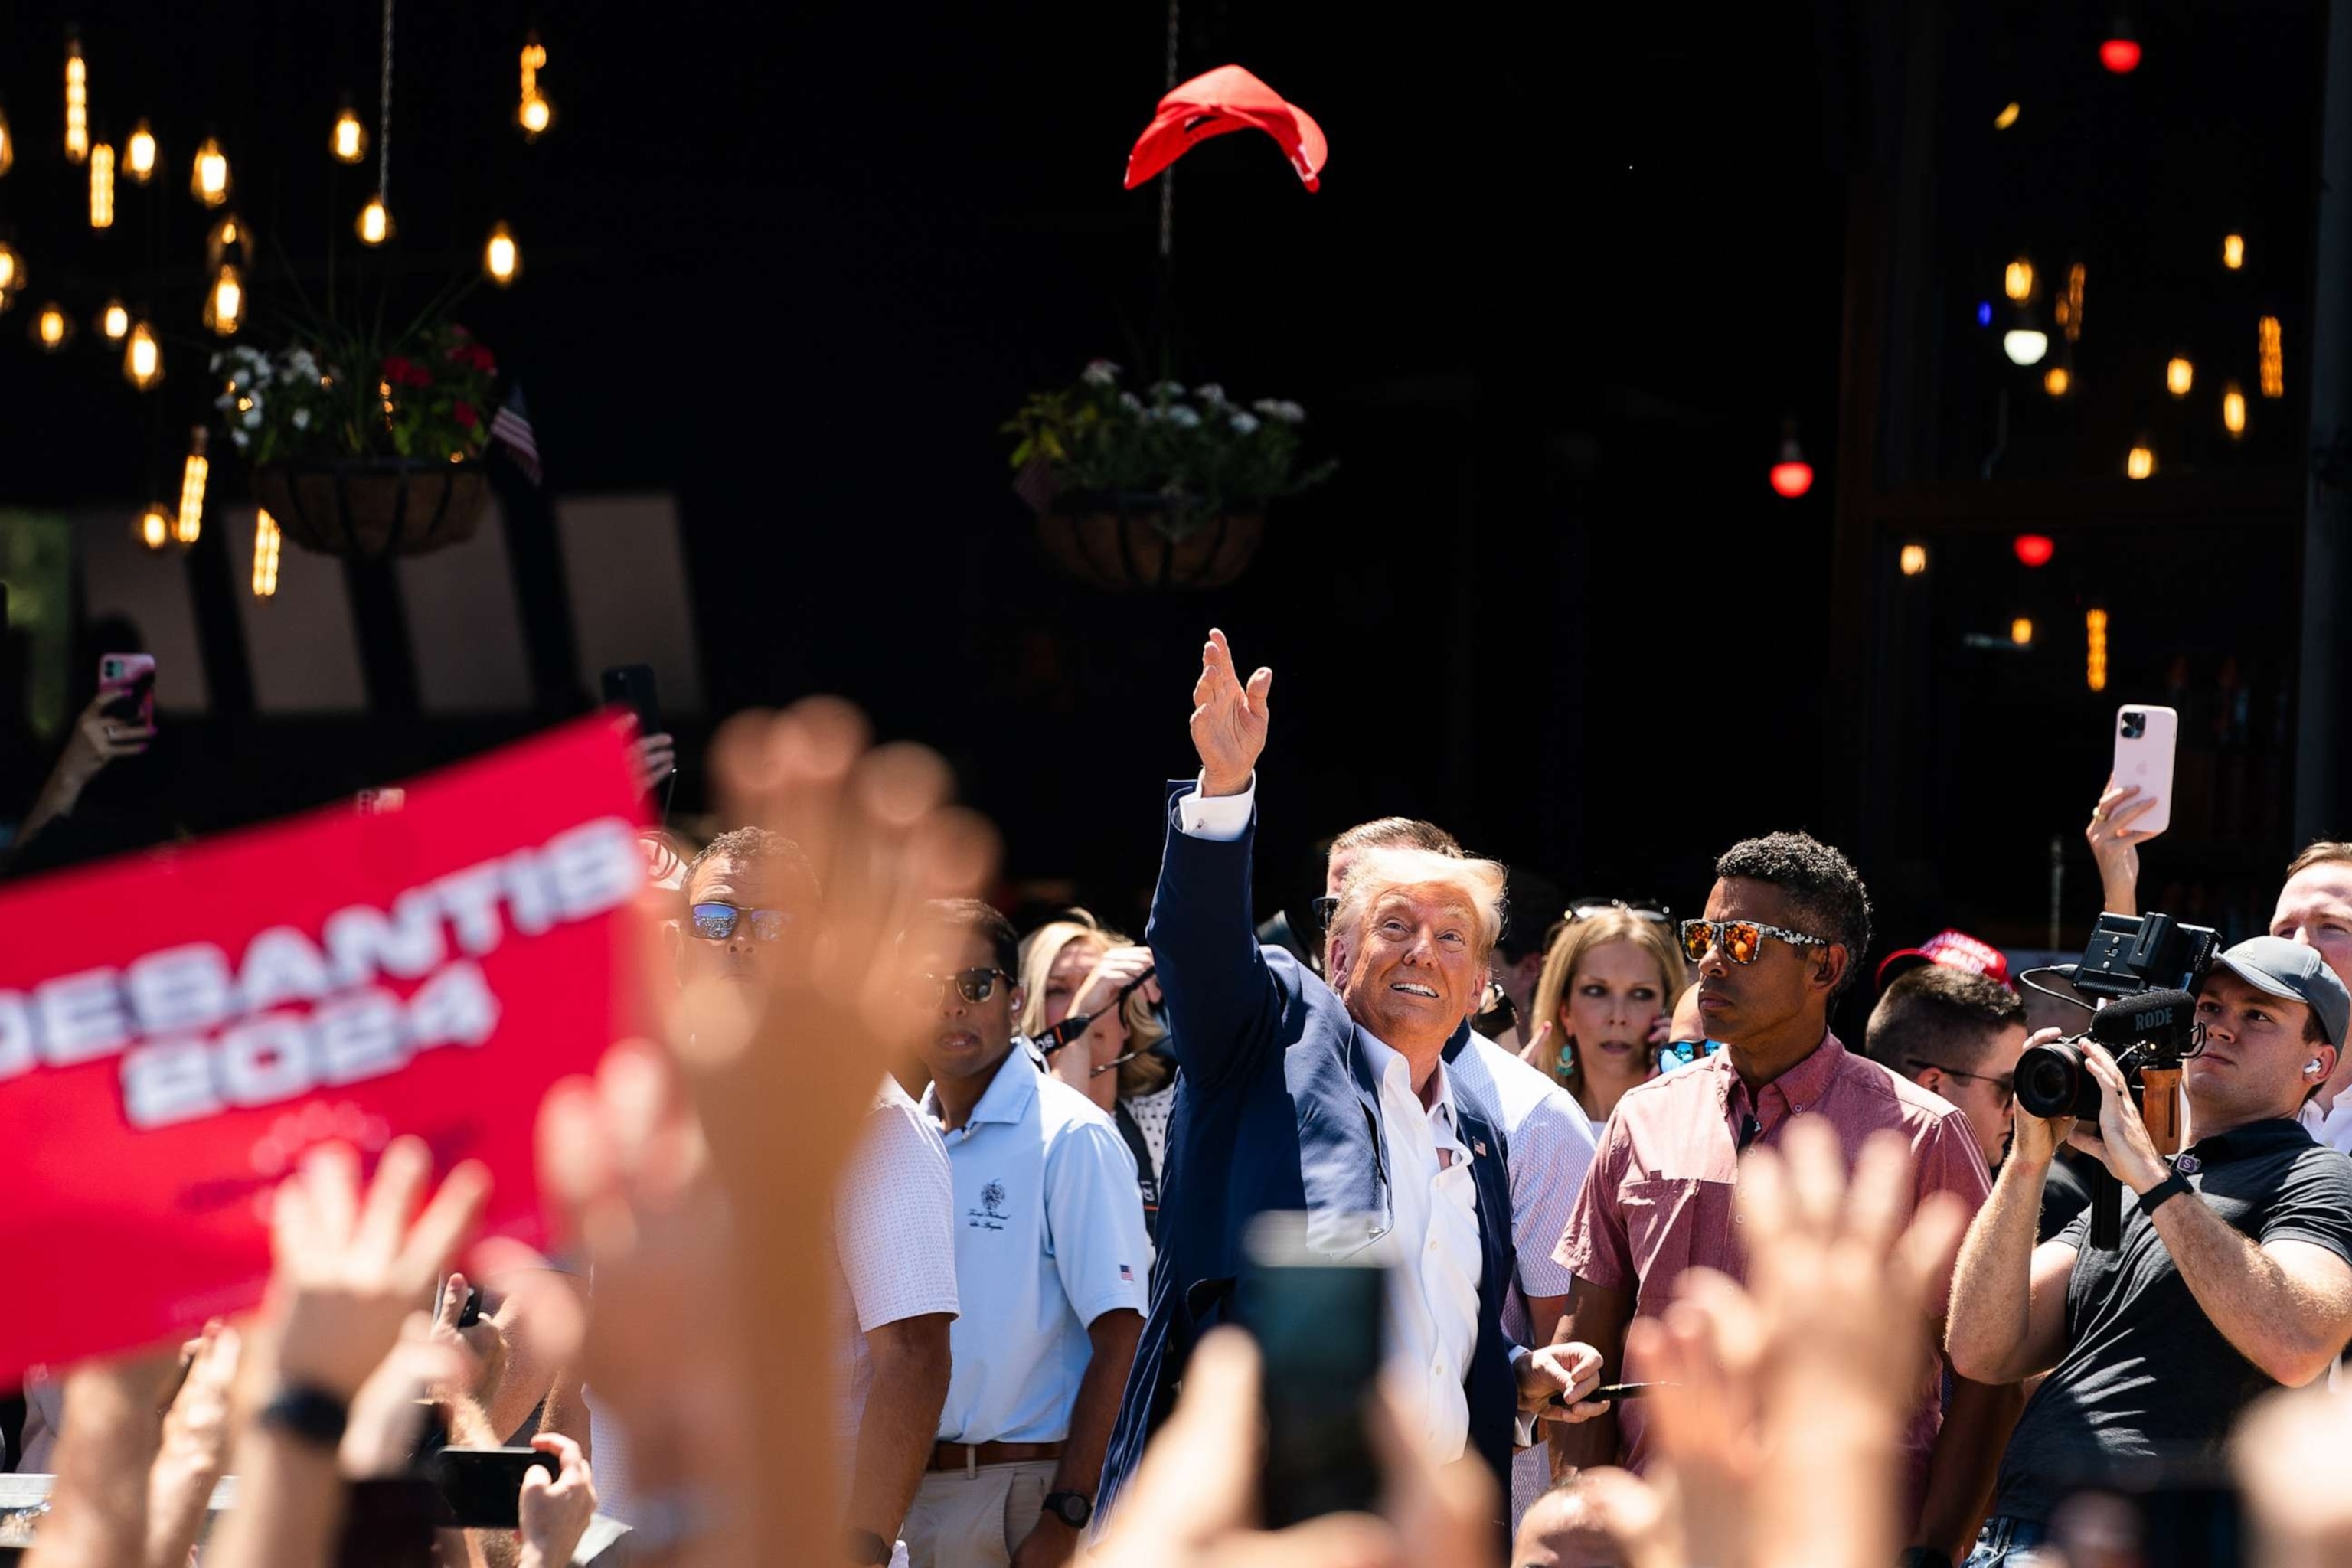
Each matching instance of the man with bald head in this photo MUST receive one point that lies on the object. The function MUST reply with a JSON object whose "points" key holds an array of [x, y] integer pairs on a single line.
{"points": [[1333, 1099]]}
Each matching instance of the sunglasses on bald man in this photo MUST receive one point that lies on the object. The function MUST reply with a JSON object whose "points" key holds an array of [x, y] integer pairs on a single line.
{"points": [[720, 922]]}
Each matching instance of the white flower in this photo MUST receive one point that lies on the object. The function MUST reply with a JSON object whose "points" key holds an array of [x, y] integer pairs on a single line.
{"points": [[1277, 408], [1211, 395], [1100, 373], [253, 417], [1151, 415], [1245, 424], [241, 439], [226, 399], [1189, 418], [218, 361], [1168, 390], [301, 419], [1132, 403]]}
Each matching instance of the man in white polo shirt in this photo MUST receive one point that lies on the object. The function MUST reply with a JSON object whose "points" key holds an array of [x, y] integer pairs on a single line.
{"points": [[1050, 1258]]}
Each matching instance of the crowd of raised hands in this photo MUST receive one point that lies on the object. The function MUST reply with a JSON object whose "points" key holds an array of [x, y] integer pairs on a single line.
{"points": [[1776, 1418]]}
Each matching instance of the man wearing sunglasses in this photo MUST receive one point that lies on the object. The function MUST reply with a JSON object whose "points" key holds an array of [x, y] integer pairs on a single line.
{"points": [[1786, 926], [1051, 1263]]}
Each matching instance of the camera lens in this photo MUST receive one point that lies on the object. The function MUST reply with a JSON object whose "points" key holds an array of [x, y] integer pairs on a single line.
{"points": [[2134, 726], [2048, 1079]]}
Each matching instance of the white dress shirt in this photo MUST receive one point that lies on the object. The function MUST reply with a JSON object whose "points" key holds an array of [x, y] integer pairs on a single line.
{"points": [[1436, 1259], [2332, 1125]]}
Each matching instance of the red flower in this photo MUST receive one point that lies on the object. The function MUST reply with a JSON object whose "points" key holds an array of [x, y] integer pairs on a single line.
{"points": [[397, 370], [465, 414], [481, 359]]}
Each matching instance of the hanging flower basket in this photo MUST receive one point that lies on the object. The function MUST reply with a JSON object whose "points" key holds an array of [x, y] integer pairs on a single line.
{"points": [[1128, 540], [365, 509]]}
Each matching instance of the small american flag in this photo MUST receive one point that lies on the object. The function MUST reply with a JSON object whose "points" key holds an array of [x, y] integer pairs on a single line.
{"points": [[511, 426], [1126, 1274]]}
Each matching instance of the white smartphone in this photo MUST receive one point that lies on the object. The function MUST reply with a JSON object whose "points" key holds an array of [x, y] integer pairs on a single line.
{"points": [[2145, 739]]}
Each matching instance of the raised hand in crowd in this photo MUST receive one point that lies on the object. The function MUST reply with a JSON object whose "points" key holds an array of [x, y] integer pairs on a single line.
{"points": [[479, 1355], [98, 1508], [2115, 844], [1229, 719], [553, 1515], [1079, 1062], [97, 738], [195, 1449], [351, 1267], [655, 758], [1194, 1503]]}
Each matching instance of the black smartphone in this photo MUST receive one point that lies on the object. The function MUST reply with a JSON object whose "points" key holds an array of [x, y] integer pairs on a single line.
{"points": [[631, 686], [483, 1487], [1319, 1325], [471, 1312]]}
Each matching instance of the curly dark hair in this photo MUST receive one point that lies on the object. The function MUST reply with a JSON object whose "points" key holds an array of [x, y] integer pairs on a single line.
{"points": [[745, 845], [1821, 882]]}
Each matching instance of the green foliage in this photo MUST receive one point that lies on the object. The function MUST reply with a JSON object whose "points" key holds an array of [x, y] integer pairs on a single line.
{"points": [[1203, 452], [336, 393]]}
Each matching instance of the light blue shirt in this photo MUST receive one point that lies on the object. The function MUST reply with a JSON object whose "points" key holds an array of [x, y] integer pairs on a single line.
{"points": [[1048, 1237]]}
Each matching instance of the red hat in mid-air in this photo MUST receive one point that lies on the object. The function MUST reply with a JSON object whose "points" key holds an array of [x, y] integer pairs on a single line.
{"points": [[1226, 99]]}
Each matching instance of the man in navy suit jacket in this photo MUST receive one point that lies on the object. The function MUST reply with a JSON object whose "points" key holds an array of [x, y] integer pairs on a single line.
{"points": [[1295, 1095]]}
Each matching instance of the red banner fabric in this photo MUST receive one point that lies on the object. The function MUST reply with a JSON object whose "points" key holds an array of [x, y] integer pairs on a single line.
{"points": [[177, 1028]]}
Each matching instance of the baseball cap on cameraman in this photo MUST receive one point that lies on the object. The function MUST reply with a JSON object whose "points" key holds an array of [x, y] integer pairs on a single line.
{"points": [[2297, 972], [1954, 950]]}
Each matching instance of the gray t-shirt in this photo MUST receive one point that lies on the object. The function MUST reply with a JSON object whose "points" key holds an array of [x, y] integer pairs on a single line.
{"points": [[2147, 1377]]}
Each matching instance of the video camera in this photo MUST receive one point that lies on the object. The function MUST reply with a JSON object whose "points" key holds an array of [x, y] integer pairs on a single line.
{"points": [[2145, 970]]}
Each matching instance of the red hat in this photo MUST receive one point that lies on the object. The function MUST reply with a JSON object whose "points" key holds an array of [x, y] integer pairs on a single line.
{"points": [[1954, 949], [1226, 99]]}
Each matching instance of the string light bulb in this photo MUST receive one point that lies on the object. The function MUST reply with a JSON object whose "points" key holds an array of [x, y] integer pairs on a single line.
{"points": [[77, 103], [2017, 281], [208, 176], [266, 542], [2271, 348], [2234, 251], [2025, 345], [138, 155], [2094, 661], [502, 262], [8, 145], [224, 302], [2073, 319], [114, 322], [2057, 381], [1914, 560], [2006, 117], [2234, 409], [2179, 375], [11, 273], [142, 357], [2020, 632], [374, 224], [51, 328], [189, 526], [101, 186], [533, 112], [350, 140], [1792, 476], [231, 233], [2139, 463], [154, 528]]}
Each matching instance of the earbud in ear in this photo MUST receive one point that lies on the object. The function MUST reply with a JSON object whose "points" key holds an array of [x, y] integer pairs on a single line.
{"points": [[2311, 1068]]}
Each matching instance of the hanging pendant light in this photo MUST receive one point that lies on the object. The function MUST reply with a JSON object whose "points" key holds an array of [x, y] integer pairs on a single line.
{"points": [[224, 302], [2234, 409], [502, 262], [77, 101], [534, 113], [114, 322], [51, 328], [265, 544], [154, 528], [2119, 50], [189, 526], [8, 145], [12, 274], [230, 240], [374, 225], [348, 142], [208, 176], [138, 155], [101, 186], [142, 358], [1791, 476]]}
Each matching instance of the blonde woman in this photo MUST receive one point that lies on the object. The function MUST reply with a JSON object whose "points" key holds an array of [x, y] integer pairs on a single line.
{"points": [[1604, 1004], [1075, 966]]}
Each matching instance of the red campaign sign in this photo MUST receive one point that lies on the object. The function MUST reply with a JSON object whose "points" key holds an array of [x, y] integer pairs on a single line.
{"points": [[176, 1028]]}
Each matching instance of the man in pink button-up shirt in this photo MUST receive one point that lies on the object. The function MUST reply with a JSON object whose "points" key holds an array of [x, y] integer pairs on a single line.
{"points": [[1785, 929]]}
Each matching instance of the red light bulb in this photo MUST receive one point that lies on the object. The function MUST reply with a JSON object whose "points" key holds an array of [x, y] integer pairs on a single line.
{"points": [[1793, 479], [2120, 51], [2034, 549]]}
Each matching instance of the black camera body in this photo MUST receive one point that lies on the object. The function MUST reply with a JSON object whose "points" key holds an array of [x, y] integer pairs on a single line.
{"points": [[2148, 970]]}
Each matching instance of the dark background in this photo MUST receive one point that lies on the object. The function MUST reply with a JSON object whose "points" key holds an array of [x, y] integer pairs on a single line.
{"points": [[1570, 270]]}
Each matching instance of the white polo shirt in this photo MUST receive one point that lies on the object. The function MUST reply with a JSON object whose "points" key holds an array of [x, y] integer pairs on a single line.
{"points": [[1048, 1238]]}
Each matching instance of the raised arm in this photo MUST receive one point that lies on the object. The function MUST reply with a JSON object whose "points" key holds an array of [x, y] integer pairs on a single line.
{"points": [[1223, 1005]]}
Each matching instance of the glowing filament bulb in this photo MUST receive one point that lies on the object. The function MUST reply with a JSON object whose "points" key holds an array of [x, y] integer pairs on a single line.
{"points": [[138, 154], [2017, 282], [7, 146], [265, 555], [2006, 118], [2179, 376], [52, 329], [11, 273], [350, 140], [2234, 409], [2271, 347], [208, 177], [155, 528], [2073, 320], [534, 115], [143, 361], [2140, 461], [2095, 665], [101, 187], [224, 305], [374, 224], [114, 322], [189, 525], [2057, 381], [2020, 632], [2234, 251], [500, 260], [77, 104], [1914, 560]]}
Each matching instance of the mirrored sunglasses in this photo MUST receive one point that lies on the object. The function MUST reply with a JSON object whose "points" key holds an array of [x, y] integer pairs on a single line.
{"points": [[718, 922], [1741, 942], [972, 984]]}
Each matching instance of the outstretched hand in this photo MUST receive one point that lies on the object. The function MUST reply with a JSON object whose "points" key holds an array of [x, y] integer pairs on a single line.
{"points": [[1228, 718]]}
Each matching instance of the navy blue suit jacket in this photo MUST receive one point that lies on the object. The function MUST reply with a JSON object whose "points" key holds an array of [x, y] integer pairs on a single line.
{"points": [[1276, 1107]]}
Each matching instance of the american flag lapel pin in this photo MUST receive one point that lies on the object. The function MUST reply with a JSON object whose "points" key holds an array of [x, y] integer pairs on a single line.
{"points": [[1478, 1147]]}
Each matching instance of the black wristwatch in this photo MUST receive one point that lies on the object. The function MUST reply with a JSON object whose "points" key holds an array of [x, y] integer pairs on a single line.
{"points": [[311, 1413], [2158, 1195], [864, 1547], [1073, 1509]]}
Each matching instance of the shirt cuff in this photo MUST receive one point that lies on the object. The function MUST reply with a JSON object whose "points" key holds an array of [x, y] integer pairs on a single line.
{"points": [[1220, 819], [1523, 1426]]}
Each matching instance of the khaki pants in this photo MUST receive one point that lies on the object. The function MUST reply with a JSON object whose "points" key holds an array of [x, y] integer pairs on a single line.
{"points": [[975, 1520]]}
